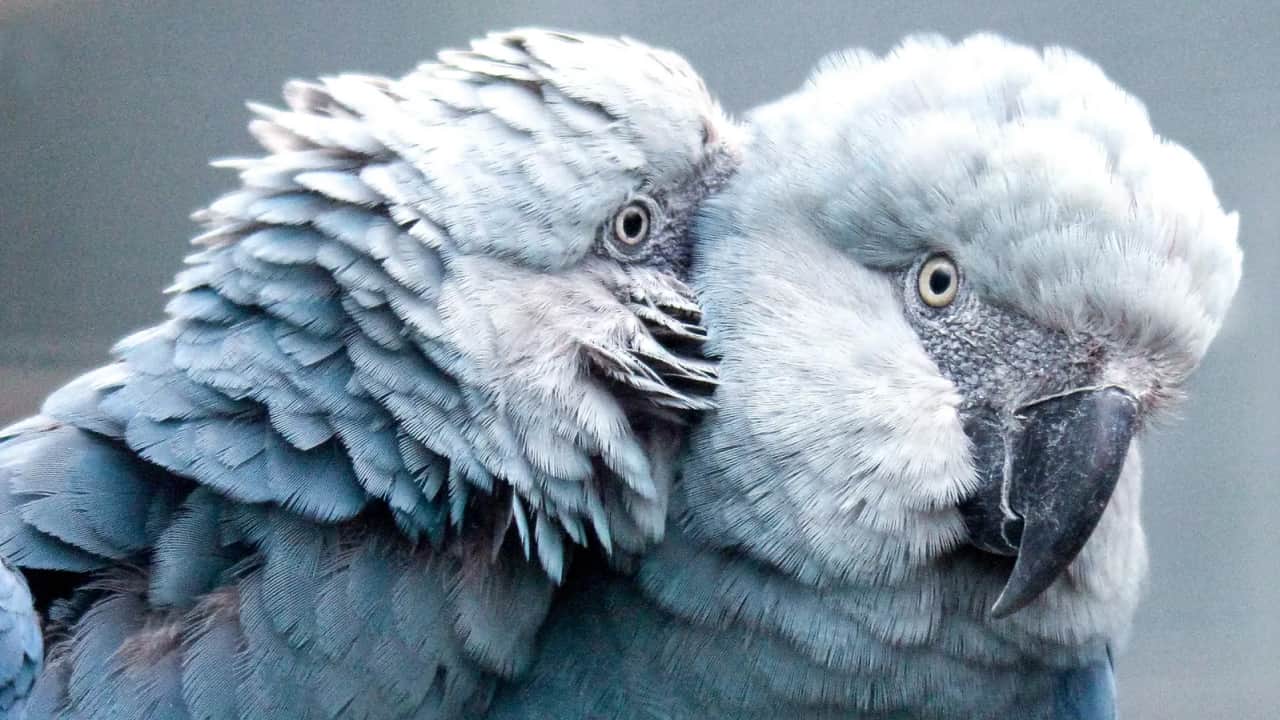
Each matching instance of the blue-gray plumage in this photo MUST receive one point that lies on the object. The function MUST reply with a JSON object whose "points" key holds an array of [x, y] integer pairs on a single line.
{"points": [[436, 341], [439, 339]]}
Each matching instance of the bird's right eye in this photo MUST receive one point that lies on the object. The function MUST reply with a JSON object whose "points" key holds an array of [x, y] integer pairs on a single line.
{"points": [[631, 224], [939, 281]]}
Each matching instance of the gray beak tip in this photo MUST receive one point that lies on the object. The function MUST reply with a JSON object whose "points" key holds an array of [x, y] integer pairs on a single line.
{"points": [[1002, 609], [1009, 603]]}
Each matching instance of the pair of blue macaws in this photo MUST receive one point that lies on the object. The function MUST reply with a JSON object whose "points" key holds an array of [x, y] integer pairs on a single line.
{"points": [[530, 385]]}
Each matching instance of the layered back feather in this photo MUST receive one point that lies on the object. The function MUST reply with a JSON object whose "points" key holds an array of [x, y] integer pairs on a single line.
{"points": [[295, 494]]}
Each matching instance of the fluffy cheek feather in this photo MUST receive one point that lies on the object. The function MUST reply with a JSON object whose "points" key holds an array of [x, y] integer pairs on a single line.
{"points": [[876, 456], [529, 335], [526, 331]]}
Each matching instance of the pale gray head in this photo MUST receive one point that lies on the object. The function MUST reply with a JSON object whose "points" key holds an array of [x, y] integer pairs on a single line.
{"points": [[949, 286]]}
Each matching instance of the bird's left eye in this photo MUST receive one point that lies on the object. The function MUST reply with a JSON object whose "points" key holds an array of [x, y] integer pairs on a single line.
{"points": [[939, 281]]}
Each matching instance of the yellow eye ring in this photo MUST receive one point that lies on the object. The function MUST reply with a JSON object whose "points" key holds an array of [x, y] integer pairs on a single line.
{"points": [[939, 281]]}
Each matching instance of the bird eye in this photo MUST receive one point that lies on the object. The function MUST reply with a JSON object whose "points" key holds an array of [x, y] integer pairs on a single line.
{"points": [[631, 224], [939, 281]]}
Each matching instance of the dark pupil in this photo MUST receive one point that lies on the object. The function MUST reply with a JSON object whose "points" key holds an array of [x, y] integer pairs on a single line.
{"points": [[939, 281], [632, 223]]}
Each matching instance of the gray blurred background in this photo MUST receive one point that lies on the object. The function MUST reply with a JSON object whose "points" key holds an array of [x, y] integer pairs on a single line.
{"points": [[110, 110]]}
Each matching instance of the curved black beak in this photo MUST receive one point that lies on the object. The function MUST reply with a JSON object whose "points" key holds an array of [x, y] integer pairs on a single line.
{"points": [[1049, 476]]}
